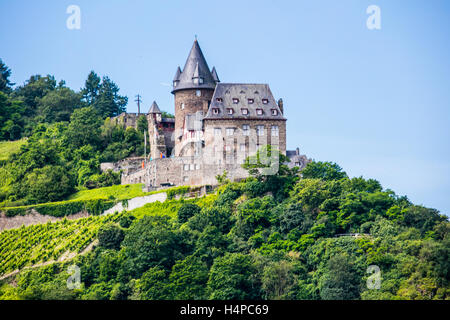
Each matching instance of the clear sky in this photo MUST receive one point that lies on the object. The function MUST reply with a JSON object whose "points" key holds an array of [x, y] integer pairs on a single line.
{"points": [[377, 102]]}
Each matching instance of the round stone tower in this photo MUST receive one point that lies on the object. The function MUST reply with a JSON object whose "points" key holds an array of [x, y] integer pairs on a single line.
{"points": [[193, 88]]}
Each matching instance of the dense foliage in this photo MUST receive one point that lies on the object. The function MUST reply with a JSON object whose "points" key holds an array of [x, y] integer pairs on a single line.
{"points": [[68, 134], [314, 240], [279, 234]]}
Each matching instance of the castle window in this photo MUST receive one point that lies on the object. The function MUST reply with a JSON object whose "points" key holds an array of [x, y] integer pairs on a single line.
{"points": [[230, 110], [235, 100], [260, 130], [250, 101], [230, 131], [192, 167], [274, 112], [246, 130], [265, 101], [197, 166], [219, 99], [215, 110], [182, 106], [198, 93], [242, 147], [185, 179], [244, 111], [217, 131], [259, 112], [186, 167], [275, 131]]}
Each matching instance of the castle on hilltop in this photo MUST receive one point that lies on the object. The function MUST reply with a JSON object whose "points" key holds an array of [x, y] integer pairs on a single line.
{"points": [[216, 127]]}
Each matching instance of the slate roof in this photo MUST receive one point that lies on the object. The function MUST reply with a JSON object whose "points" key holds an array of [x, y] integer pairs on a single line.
{"points": [[154, 108], [196, 66], [225, 93]]}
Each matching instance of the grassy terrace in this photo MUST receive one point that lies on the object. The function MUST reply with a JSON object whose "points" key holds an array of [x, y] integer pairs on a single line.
{"points": [[10, 147], [119, 192]]}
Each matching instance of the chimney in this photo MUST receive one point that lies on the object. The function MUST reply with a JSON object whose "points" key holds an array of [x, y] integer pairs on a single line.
{"points": [[280, 105]]}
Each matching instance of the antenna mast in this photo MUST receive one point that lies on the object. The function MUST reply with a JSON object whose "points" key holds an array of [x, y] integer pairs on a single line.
{"points": [[138, 100]]}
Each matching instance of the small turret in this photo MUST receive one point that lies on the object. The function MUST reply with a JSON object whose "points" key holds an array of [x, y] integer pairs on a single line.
{"points": [[280, 105], [176, 79], [214, 74]]}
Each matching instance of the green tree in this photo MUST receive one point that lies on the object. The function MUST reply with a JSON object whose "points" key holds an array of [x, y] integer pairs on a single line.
{"points": [[150, 242], [186, 211], [341, 282], [323, 170], [91, 88], [231, 278], [153, 285], [109, 103], [5, 73], [50, 183], [58, 105], [278, 280], [84, 128], [34, 89], [188, 279]]}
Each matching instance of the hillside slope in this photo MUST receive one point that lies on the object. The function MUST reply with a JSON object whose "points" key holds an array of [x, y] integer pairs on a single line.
{"points": [[324, 236]]}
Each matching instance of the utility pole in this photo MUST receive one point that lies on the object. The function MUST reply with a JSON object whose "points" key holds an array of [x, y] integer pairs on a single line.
{"points": [[138, 100], [145, 148]]}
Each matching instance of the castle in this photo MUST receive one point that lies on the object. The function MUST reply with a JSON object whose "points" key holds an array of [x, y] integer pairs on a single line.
{"points": [[216, 127]]}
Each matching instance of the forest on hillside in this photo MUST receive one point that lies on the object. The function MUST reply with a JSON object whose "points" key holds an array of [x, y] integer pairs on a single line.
{"points": [[268, 237], [316, 234], [67, 133]]}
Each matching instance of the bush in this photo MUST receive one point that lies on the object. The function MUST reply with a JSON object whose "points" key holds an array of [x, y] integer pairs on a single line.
{"points": [[110, 237], [125, 222], [186, 211]]}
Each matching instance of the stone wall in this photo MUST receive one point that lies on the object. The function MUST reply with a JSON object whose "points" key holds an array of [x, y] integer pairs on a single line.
{"points": [[251, 141], [128, 165], [192, 103]]}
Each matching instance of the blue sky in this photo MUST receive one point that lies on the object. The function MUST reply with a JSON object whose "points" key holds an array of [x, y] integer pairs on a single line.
{"points": [[377, 102]]}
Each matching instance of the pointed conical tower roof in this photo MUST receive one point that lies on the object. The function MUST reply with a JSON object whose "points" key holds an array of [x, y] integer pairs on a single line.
{"points": [[196, 73], [214, 74], [177, 75], [154, 108]]}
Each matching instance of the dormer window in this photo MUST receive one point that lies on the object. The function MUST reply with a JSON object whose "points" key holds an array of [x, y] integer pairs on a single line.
{"points": [[250, 101], [230, 110], [219, 99], [274, 112], [235, 100], [259, 112], [197, 80], [215, 110], [244, 111], [265, 101]]}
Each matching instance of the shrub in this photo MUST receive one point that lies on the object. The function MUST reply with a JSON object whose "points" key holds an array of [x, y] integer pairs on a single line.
{"points": [[110, 236]]}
